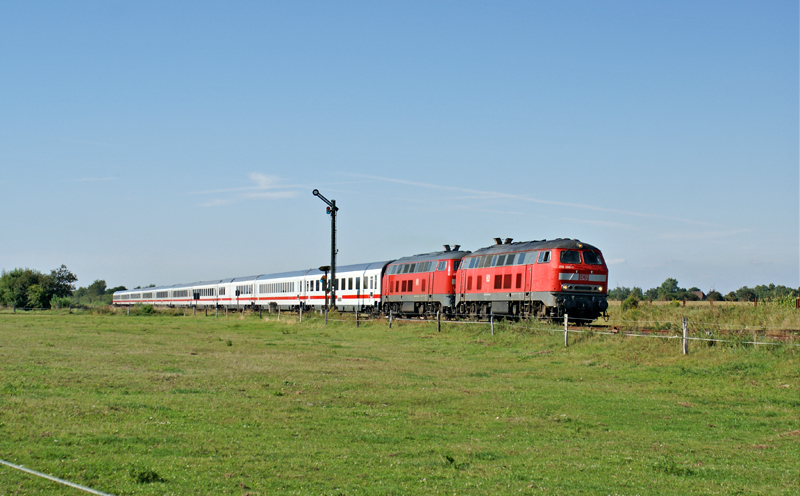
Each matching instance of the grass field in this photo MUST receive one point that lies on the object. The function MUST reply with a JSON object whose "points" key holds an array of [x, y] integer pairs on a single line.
{"points": [[196, 405]]}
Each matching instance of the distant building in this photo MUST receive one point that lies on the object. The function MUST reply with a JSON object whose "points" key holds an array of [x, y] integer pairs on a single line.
{"points": [[700, 295]]}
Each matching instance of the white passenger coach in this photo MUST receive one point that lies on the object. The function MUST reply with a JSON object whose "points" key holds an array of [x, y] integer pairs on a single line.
{"points": [[358, 287]]}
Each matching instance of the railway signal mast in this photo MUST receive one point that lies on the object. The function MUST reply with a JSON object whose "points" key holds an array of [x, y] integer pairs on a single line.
{"points": [[331, 210]]}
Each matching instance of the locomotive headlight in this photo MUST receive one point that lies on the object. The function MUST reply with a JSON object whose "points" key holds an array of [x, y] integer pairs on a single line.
{"points": [[564, 287], [599, 288]]}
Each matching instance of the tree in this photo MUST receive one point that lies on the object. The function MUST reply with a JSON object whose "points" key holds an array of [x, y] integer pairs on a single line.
{"points": [[618, 293], [96, 289], [745, 294], [714, 296], [30, 288], [14, 286], [61, 281], [668, 289]]}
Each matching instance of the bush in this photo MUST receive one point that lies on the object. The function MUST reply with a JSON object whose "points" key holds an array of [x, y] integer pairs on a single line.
{"points": [[146, 310], [57, 302], [630, 303]]}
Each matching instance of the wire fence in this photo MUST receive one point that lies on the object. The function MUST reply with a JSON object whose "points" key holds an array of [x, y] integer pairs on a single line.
{"points": [[54, 479]]}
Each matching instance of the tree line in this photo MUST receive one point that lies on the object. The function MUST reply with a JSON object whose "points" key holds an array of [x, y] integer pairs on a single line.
{"points": [[29, 288], [670, 290]]}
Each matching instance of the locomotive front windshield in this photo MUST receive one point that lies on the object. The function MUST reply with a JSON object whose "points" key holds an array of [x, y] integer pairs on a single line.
{"points": [[592, 258], [570, 257]]}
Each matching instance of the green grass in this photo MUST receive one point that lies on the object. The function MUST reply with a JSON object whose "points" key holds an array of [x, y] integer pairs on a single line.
{"points": [[167, 404]]}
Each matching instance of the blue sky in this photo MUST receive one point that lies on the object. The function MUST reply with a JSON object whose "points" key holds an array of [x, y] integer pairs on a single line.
{"points": [[165, 142]]}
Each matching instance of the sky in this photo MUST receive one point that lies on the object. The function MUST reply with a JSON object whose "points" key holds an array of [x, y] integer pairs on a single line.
{"points": [[169, 142]]}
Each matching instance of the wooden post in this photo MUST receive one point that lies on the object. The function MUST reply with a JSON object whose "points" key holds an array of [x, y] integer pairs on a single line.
{"points": [[184, 311], [390, 318], [206, 311], [438, 321], [356, 318], [491, 322], [566, 330], [301, 313], [755, 302], [129, 310], [279, 313], [326, 315], [226, 311], [797, 303], [216, 311], [685, 336]]}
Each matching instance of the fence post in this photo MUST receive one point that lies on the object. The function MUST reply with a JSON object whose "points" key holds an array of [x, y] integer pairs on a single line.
{"points": [[797, 303], [390, 318], [206, 311], [438, 321], [279, 313], [129, 310], [326, 315], [357, 318], [216, 311], [184, 311], [685, 336], [226, 311], [301, 313], [491, 322], [755, 302], [566, 330]]}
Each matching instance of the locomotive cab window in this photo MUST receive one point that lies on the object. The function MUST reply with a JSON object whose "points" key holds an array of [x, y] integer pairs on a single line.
{"points": [[442, 265], [544, 257], [570, 257], [592, 258]]}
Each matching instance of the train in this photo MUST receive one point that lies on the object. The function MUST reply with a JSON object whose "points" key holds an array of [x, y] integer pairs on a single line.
{"points": [[545, 278]]}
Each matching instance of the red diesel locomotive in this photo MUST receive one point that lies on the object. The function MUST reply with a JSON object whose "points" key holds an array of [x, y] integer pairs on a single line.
{"points": [[422, 284], [533, 278]]}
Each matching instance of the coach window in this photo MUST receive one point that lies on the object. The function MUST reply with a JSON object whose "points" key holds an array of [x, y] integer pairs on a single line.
{"points": [[521, 258], [358, 283], [510, 259], [499, 261], [544, 256], [570, 257]]}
